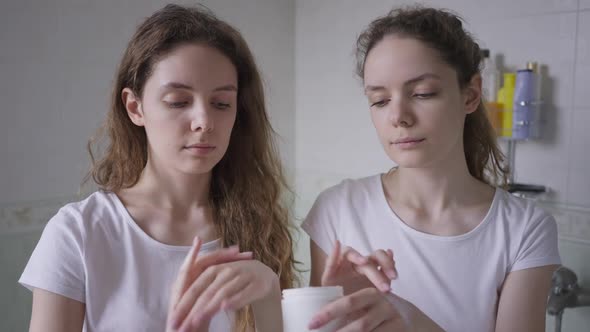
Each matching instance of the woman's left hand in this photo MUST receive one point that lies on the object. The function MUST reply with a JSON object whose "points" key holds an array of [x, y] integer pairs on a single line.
{"points": [[229, 286], [371, 310], [351, 270]]}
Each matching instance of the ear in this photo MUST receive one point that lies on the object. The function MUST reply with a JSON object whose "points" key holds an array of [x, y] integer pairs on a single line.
{"points": [[133, 106], [472, 94]]}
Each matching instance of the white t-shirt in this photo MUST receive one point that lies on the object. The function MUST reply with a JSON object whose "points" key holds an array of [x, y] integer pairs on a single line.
{"points": [[455, 280], [93, 252]]}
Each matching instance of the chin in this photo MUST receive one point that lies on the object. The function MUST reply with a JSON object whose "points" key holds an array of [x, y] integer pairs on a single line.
{"points": [[196, 168], [409, 161]]}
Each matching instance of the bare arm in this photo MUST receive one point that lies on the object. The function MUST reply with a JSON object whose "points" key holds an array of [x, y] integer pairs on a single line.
{"points": [[523, 300], [267, 312], [55, 313], [318, 264]]}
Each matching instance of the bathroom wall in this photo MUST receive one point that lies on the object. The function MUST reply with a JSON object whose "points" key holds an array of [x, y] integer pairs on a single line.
{"points": [[57, 62], [335, 138]]}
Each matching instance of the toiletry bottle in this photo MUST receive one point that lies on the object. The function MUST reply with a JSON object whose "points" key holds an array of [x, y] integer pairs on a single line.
{"points": [[526, 103], [506, 98], [490, 86], [535, 128], [523, 108], [490, 77]]}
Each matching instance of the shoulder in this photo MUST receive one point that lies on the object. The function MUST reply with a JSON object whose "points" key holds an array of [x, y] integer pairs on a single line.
{"points": [[340, 200], [84, 213], [520, 210], [529, 230], [352, 190], [523, 219]]}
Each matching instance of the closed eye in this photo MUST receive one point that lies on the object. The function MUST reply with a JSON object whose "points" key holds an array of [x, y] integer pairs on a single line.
{"points": [[221, 106], [424, 95], [380, 103], [177, 104]]}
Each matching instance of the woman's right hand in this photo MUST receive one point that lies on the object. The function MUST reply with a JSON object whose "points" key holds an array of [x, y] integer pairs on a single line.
{"points": [[371, 310], [192, 267], [353, 271]]}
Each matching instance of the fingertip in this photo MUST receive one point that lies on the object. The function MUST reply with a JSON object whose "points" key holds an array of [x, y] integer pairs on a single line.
{"points": [[391, 273], [314, 324], [336, 248], [390, 253], [175, 323], [196, 245]]}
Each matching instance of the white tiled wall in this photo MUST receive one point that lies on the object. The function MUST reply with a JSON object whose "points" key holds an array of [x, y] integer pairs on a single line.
{"points": [[333, 130], [317, 106], [57, 63], [550, 40], [335, 139], [574, 254], [15, 304], [20, 229], [578, 185], [582, 75]]}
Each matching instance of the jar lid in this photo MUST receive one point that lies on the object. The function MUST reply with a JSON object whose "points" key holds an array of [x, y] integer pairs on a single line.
{"points": [[331, 291]]}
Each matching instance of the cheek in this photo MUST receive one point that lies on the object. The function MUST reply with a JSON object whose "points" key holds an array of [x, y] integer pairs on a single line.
{"points": [[382, 129], [226, 124], [445, 113], [380, 121], [377, 119], [165, 130]]}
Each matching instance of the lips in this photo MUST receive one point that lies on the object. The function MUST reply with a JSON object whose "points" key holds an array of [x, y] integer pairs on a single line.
{"points": [[408, 140], [200, 146], [200, 149]]}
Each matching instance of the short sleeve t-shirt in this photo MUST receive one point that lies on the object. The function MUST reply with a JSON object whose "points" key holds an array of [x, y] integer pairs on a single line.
{"points": [[92, 251], [455, 280]]}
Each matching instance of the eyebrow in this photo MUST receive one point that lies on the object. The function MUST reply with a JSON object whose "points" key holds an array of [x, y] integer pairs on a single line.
{"points": [[229, 87], [177, 85], [371, 88]]}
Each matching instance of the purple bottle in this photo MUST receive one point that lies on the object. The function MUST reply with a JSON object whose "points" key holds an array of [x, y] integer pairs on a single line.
{"points": [[526, 104]]}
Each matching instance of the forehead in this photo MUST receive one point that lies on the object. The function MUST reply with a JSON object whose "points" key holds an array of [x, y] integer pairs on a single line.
{"points": [[398, 59], [195, 65]]}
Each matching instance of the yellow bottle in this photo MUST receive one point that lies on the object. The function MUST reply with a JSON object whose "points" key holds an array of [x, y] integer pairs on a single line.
{"points": [[506, 99], [494, 111]]}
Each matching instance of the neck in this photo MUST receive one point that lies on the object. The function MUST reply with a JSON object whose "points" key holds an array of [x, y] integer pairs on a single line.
{"points": [[173, 190], [437, 187]]}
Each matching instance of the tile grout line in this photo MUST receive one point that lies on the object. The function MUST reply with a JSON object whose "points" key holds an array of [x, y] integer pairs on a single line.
{"points": [[573, 110]]}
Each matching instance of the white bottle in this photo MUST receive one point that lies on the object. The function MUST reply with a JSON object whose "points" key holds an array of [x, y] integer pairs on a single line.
{"points": [[300, 305], [490, 77]]}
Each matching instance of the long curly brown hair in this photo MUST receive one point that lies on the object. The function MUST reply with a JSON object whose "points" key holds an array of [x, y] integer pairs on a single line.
{"points": [[444, 32], [248, 186]]}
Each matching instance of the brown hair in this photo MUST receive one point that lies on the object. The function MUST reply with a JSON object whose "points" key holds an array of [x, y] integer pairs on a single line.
{"points": [[248, 183], [443, 31]]}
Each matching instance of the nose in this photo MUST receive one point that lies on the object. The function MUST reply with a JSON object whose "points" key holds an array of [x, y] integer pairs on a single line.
{"points": [[399, 113], [201, 117]]}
